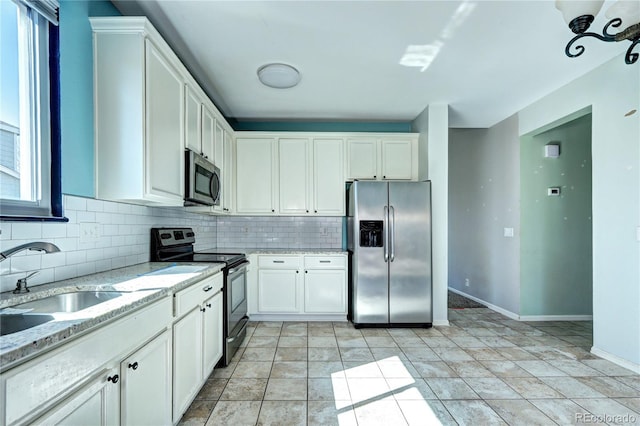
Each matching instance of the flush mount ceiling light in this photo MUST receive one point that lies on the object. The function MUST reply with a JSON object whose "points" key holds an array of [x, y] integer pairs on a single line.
{"points": [[278, 76], [579, 14]]}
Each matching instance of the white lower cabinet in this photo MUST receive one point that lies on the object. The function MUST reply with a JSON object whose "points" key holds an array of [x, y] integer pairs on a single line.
{"points": [[212, 333], [300, 287], [278, 290], [146, 384], [197, 339], [97, 403], [325, 291], [85, 381]]}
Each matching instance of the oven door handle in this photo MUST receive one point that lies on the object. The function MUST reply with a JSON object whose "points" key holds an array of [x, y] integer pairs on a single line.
{"points": [[245, 323], [239, 267]]}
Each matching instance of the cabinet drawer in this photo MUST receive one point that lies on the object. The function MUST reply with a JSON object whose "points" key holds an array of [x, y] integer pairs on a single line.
{"points": [[325, 262], [279, 262], [185, 300]]}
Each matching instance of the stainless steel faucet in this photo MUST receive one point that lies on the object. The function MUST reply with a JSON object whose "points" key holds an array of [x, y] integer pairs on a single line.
{"points": [[21, 285], [36, 246]]}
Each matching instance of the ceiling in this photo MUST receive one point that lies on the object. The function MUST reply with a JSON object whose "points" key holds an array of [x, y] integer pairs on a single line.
{"points": [[486, 59]]}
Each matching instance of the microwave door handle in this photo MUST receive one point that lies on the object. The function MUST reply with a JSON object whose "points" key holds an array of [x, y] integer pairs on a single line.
{"points": [[211, 187]]}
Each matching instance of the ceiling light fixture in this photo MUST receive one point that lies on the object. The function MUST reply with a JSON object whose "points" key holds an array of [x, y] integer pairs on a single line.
{"points": [[278, 76], [579, 14]]}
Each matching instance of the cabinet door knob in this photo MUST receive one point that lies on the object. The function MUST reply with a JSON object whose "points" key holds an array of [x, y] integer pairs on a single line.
{"points": [[272, 210], [134, 366], [375, 177], [307, 211], [208, 305], [113, 378], [202, 309], [306, 272], [384, 177], [315, 211], [297, 272]]}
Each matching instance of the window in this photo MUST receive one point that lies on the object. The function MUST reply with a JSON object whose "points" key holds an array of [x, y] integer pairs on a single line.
{"points": [[29, 120]]}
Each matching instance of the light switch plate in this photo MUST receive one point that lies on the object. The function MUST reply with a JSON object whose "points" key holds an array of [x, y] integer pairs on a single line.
{"points": [[508, 232]]}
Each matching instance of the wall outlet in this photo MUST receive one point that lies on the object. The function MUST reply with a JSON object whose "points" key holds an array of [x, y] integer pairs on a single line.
{"points": [[508, 232], [467, 282], [89, 232]]}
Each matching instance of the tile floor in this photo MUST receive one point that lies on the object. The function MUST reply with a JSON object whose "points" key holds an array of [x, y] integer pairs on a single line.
{"points": [[484, 369]]}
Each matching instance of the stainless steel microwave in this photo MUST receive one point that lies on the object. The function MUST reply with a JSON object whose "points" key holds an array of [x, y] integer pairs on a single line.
{"points": [[202, 181]]}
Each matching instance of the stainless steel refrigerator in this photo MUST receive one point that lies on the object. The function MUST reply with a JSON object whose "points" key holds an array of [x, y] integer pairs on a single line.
{"points": [[389, 240]]}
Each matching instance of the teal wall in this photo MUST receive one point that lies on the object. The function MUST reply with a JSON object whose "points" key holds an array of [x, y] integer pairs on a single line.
{"points": [[556, 240], [322, 126], [76, 88]]}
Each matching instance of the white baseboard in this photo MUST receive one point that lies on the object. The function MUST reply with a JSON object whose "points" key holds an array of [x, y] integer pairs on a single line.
{"points": [[556, 317], [441, 323], [498, 309], [298, 317], [517, 317], [616, 360]]}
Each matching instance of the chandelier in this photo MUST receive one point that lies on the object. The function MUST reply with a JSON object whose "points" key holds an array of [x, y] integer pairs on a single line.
{"points": [[579, 14]]}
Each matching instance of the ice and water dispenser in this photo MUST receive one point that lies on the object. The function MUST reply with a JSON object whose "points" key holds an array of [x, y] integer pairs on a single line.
{"points": [[371, 233]]}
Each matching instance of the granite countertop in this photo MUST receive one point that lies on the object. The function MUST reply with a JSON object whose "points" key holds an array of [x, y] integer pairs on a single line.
{"points": [[299, 251], [142, 284]]}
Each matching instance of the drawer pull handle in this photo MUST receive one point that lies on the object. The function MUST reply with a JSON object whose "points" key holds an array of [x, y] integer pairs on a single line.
{"points": [[207, 288], [113, 379], [134, 366], [278, 261], [325, 261]]}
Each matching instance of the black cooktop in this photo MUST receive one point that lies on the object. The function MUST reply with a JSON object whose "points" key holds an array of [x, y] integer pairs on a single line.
{"points": [[176, 245]]}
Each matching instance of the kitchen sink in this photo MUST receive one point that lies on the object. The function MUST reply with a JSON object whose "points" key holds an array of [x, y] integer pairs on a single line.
{"points": [[68, 302], [11, 323]]}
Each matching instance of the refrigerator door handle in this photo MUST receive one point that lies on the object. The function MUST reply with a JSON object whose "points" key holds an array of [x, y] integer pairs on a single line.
{"points": [[385, 240], [392, 234]]}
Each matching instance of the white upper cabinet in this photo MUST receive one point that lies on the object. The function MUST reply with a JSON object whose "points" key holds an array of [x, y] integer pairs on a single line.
{"points": [[383, 157], [256, 175], [192, 120], [164, 177], [294, 174], [397, 159], [363, 158], [226, 200], [139, 114], [208, 133], [328, 177]]}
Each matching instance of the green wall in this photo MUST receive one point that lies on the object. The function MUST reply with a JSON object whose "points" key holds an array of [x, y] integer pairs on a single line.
{"points": [[556, 240], [76, 88]]}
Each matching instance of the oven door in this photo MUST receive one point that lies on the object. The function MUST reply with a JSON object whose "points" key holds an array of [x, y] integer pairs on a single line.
{"points": [[236, 300]]}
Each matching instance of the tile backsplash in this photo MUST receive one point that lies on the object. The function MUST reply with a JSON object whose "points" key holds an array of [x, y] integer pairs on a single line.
{"points": [[279, 232], [105, 235]]}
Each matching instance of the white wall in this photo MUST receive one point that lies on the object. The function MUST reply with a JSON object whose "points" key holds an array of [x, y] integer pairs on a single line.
{"points": [[612, 90], [433, 126], [484, 198]]}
